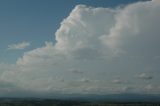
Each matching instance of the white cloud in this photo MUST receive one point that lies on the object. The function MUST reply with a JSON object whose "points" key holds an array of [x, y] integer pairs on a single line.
{"points": [[117, 81], [18, 46], [79, 33], [152, 88], [136, 29], [145, 76], [122, 89], [149, 87], [84, 80], [126, 88], [88, 39]]}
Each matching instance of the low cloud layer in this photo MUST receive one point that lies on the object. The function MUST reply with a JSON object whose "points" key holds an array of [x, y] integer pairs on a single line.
{"points": [[96, 44]]}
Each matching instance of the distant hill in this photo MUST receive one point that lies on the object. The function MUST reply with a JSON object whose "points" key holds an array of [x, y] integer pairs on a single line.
{"points": [[118, 98], [114, 97]]}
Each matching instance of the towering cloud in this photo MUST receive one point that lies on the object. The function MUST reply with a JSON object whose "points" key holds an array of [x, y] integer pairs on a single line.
{"points": [[100, 42]]}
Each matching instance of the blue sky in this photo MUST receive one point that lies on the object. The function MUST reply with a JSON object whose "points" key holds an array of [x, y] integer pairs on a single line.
{"points": [[79, 47], [37, 21]]}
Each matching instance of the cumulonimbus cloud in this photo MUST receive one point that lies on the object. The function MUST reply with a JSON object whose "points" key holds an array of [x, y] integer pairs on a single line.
{"points": [[103, 42]]}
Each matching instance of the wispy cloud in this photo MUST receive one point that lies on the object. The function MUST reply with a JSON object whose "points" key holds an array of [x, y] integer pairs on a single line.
{"points": [[18, 46]]}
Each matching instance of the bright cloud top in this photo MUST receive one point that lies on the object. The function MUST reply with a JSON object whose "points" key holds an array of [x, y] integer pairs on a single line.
{"points": [[94, 45]]}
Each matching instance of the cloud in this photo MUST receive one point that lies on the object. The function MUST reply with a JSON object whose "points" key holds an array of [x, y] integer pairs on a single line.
{"points": [[75, 71], [133, 25], [79, 33], [152, 88], [145, 76], [18, 46], [122, 89], [103, 42], [84, 80], [117, 81], [126, 88], [149, 87]]}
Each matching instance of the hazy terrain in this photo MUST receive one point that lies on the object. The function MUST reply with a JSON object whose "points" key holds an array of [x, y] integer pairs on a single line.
{"points": [[86, 100], [50, 102]]}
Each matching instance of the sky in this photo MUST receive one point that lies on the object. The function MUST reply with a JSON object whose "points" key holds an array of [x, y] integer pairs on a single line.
{"points": [[37, 21], [79, 47]]}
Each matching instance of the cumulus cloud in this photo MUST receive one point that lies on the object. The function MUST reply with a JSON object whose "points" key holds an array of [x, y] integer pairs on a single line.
{"points": [[126, 88], [85, 80], [151, 88], [18, 46], [79, 33], [122, 89], [133, 32], [145, 76], [75, 71], [103, 42], [117, 81]]}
